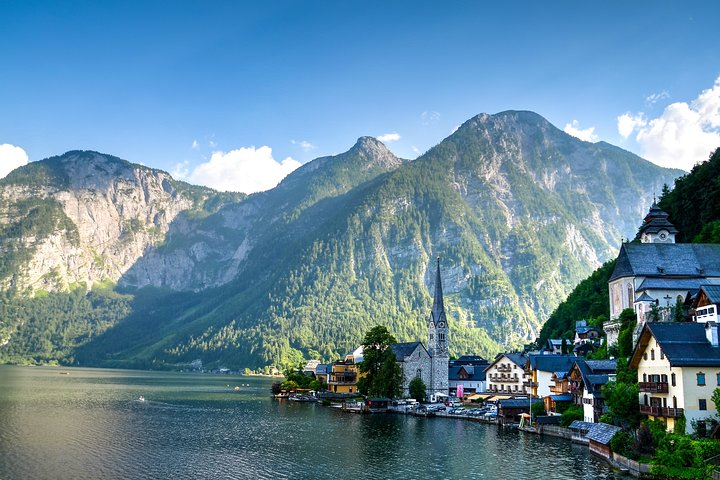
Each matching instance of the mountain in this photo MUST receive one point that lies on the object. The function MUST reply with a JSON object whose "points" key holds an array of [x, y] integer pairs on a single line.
{"points": [[518, 211]]}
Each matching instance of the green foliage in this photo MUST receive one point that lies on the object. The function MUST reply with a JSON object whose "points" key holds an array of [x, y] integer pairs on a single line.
{"points": [[572, 413], [589, 300], [622, 443], [538, 409], [383, 376], [627, 320], [289, 385], [417, 389], [694, 203], [622, 402]]}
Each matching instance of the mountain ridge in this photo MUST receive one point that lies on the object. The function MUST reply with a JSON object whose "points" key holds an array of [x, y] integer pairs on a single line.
{"points": [[519, 211]]}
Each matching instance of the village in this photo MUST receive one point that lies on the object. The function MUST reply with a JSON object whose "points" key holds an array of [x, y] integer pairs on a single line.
{"points": [[663, 327]]}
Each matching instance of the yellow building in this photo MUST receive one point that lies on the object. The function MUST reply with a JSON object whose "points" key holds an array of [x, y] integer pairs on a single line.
{"points": [[678, 367], [345, 373]]}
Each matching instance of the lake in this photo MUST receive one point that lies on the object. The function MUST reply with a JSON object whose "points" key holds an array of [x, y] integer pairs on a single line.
{"points": [[73, 423]]}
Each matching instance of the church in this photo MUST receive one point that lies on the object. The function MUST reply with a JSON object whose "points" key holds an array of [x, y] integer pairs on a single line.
{"points": [[429, 364], [657, 273]]}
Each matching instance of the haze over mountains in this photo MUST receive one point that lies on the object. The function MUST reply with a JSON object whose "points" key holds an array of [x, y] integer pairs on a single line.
{"points": [[518, 211]]}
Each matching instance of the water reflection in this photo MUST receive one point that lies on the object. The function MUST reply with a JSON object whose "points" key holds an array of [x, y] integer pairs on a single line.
{"points": [[89, 424]]}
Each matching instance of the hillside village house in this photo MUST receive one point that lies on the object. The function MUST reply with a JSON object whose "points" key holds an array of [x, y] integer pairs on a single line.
{"points": [[658, 273], [466, 380], [586, 378], [678, 367], [706, 304], [506, 374], [559, 392]]}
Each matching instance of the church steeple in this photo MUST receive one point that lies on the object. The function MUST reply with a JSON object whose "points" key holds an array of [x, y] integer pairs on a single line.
{"points": [[656, 227], [438, 308]]}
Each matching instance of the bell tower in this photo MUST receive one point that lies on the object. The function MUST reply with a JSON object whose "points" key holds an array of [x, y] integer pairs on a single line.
{"points": [[438, 340]]}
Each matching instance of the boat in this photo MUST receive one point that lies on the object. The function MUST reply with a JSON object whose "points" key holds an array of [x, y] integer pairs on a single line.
{"points": [[141, 398], [237, 388]]}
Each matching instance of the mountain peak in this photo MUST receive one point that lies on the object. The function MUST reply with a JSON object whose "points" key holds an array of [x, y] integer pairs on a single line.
{"points": [[375, 152]]}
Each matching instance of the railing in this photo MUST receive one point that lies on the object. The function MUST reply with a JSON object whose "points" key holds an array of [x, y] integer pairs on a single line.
{"points": [[662, 411], [503, 368], [503, 378], [559, 389], [653, 387]]}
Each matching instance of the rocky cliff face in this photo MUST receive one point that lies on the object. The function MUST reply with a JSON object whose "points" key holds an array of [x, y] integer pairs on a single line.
{"points": [[114, 212]]}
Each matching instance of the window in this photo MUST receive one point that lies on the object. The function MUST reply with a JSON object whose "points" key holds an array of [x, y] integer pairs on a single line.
{"points": [[652, 354], [702, 404], [442, 337], [672, 378], [645, 356], [701, 379], [630, 295], [718, 379], [662, 354]]}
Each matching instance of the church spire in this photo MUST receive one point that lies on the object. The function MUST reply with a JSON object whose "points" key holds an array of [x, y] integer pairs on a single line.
{"points": [[438, 308]]}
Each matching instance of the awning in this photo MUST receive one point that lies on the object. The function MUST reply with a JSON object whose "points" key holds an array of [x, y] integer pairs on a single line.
{"points": [[499, 397], [478, 396]]}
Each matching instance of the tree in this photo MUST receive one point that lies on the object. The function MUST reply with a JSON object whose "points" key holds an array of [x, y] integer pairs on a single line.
{"points": [[383, 376], [622, 402], [417, 389], [628, 320]]}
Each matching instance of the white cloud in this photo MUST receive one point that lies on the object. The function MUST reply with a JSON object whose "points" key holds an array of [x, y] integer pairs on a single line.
{"points": [[389, 137], [181, 171], [429, 117], [683, 135], [246, 169], [656, 97], [11, 157], [627, 122], [587, 135], [195, 145], [304, 144], [457, 127]]}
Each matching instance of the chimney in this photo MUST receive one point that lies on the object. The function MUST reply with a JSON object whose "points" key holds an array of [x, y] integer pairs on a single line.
{"points": [[711, 332]]}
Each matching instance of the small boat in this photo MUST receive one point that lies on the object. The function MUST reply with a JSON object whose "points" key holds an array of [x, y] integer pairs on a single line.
{"points": [[237, 388], [141, 398]]}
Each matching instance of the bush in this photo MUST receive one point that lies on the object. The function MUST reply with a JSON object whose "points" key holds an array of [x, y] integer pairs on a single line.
{"points": [[572, 413], [622, 443]]}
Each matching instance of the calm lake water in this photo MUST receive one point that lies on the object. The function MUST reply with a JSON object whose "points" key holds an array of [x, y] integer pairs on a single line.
{"points": [[88, 424]]}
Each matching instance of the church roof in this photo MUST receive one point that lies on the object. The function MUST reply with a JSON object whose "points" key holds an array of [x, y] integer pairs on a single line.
{"points": [[438, 309], [644, 298], [666, 260], [402, 350]]}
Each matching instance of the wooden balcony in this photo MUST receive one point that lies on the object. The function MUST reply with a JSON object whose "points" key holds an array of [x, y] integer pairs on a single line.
{"points": [[662, 411], [503, 378], [653, 387], [503, 368]]}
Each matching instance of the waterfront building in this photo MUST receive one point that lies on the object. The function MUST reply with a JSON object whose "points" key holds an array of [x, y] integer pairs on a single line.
{"points": [[506, 374], [653, 275], [678, 367], [431, 364], [586, 379], [541, 368], [470, 379], [345, 373]]}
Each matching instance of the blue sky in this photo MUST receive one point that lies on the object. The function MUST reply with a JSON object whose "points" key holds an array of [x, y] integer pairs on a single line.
{"points": [[235, 94]]}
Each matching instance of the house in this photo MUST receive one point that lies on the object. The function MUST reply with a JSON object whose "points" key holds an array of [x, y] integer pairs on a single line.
{"points": [[678, 367], [653, 275], [541, 368], [586, 378], [322, 372], [586, 334], [706, 304], [599, 437], [344, 374], [309, 368], [468, 379], [559, 392], [506, 374], [554, 346]]}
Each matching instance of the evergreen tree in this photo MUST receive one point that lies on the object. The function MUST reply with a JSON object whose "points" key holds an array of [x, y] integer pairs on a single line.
{"points": [[382, 374]]}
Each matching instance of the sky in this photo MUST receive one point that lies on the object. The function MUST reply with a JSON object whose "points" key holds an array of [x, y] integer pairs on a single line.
{"points": [[236, 94]]}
